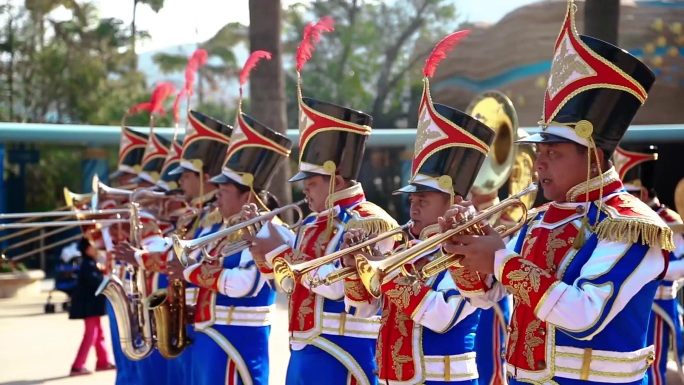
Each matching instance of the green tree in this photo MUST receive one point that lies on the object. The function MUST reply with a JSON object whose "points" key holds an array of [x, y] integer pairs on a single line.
{"points": [[222, 64], [156, 6], [370, 60], [267, 81]]}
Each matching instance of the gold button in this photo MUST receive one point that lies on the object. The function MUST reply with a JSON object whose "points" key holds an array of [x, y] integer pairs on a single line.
{"points": [[509, 329], [541, 365], [650, 359], [579, 209], [542, 331], [503, 354]]}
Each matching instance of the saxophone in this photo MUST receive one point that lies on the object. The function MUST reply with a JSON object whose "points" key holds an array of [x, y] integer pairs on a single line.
{"points": [[136, 333], [168, 305]]}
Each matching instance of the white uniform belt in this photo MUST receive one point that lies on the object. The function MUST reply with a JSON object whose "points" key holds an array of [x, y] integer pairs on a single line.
{"points": [[343, 324], [191, 295], [244, 315], [592, 365], [460, 367], [666, 292]]}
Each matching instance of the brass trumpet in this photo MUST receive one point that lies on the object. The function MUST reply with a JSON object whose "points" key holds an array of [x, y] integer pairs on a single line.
{"points": [[183, 248], [286, 274], [372, 273]]}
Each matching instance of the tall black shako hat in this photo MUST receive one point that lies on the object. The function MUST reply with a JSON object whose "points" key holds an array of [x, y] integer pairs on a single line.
{"points": [[450, 145], [255, 150], [131, 151], [594, 91], [155, 155], [204, 146], [332, 138], [635, 163]]}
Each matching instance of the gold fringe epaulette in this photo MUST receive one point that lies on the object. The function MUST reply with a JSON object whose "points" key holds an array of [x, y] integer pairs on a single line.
{"points": [[641, 224], [212, 218], [372, 219]]}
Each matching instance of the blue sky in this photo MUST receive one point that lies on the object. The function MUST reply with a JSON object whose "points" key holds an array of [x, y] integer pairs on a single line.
{"points": [[180, 23]]}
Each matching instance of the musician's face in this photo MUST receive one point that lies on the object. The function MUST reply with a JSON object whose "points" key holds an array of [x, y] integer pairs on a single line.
{"points": [[560, 167], [125, 179], [145, 184], [426, 207], [230, 200], [317, 189], [190, 183]]}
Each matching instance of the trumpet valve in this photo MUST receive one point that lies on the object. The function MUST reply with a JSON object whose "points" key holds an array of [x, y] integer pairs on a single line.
{"points": [[284, 276], [370, 277]]}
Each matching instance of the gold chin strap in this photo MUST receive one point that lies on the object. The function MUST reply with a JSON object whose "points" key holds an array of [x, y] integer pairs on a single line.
{"points": [[584, 129], [330, 167], [248, 180]]}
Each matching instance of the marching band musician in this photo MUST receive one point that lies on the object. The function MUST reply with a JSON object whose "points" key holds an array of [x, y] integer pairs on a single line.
{"points": [[131, 151], [235, 303], [584, 271], [428, 329], [204, 148], [636, 166], [322, 332]]}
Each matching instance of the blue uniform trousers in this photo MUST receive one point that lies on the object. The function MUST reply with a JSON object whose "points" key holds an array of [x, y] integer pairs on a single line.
{"points": [[232, 353], [126, 370], [179, 369], [661, 334], [490, 344], [313, 365]]}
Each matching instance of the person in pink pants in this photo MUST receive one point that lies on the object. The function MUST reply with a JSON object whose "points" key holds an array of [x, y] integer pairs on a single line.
{"points": [[90, 308]]}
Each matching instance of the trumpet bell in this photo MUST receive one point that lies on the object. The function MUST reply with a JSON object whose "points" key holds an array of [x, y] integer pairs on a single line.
{"points": [[73, 199], [496, 111], [522, 175]]}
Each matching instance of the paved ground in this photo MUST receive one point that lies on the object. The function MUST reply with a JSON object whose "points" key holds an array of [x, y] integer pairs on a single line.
{"points": [[38, 348]]}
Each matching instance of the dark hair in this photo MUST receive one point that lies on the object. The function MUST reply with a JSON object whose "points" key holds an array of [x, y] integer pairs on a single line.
{"points": [[83, 246], [269, 199]]}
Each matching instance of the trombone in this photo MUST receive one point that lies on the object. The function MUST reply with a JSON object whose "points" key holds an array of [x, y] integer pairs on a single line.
{"points": [[183, 248], [286, 274], [372, 273]]}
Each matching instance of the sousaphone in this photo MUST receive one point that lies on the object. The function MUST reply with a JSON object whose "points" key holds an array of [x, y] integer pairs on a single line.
{"points": [[507, 162]]}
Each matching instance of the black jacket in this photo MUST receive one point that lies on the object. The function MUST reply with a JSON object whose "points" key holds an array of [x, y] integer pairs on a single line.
{"points": [[84, 303]]}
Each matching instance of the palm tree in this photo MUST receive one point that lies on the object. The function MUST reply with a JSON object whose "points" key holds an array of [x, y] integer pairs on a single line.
{"points": [[602, 19], [267, 81], [222, 63], [156, 6]]}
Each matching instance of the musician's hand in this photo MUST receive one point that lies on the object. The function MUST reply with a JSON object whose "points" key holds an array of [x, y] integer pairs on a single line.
{"points": [[174, 270], [351, 237], [249, 211], [264, 245], [477, 250], [125, 252], [461, 210]]}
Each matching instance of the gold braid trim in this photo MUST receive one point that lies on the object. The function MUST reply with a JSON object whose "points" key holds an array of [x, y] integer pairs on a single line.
{"points": [[377, 221], [632, 230], [211, 218]]}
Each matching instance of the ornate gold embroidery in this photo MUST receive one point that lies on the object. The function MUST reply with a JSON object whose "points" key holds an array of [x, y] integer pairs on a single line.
{"points": [[554, 243], [381, 339], [207, 275], [398, 360], [567, 67], [532, 341], [460, 276], [525, 279], [401, 295], [355, 289], [305, 310], [528, 247], [425, 135], [513, 336]]}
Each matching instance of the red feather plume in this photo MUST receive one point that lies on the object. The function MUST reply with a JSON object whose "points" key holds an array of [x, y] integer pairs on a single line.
{"points": [[441, 50], [251, 63], [145, 106], [159, 94], [176, 104], [312, 35], [197, 59]]}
